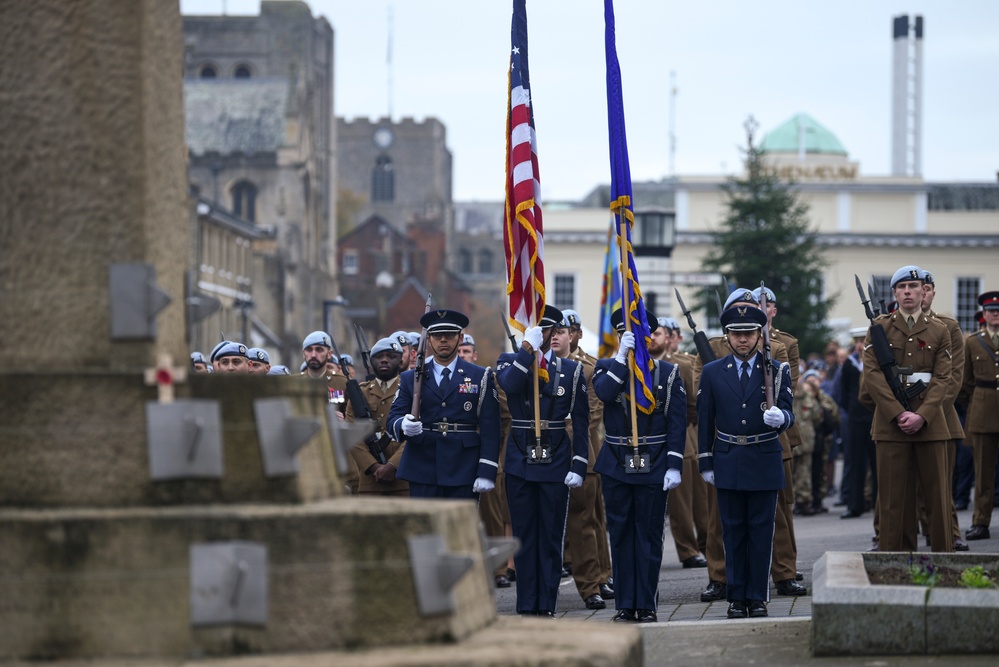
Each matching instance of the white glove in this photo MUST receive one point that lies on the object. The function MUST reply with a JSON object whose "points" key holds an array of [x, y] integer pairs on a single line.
{"points": [[627, 343], [709, 476], [482, 485], [411, 427], [773, 417], [533, 337], [672, 479], [573, 481]]}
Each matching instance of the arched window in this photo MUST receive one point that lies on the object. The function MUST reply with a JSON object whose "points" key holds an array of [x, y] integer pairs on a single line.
{"points": [[382, 180], [208, 72], [485, 261], [241, 72], [244, 200]]}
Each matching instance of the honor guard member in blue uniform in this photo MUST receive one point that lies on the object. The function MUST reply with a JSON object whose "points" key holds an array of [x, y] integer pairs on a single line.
{"points": [[539, 473], [740, 454], [451, 451], [636, 481]]}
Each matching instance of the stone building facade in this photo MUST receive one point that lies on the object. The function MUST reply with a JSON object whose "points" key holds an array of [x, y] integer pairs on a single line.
{"points": [[258, 96]]}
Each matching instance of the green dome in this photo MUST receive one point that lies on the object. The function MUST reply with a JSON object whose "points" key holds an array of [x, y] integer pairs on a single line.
{"points": [[817, 139]]}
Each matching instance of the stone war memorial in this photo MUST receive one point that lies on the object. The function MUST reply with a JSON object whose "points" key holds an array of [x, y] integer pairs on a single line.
{"points": [[150, 517]]}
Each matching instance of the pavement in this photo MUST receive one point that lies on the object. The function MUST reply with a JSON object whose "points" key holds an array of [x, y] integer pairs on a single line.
{"points": [[693, 632]]}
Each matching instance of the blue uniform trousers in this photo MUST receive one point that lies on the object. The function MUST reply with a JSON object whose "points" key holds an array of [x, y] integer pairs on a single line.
{"points": [[747, 519], [537, 516], [417, 490], [636, 521]]}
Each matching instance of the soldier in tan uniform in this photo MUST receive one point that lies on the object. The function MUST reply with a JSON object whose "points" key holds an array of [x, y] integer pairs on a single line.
{"points": [[687, 506], [586, 526], [981, 389], [783, 568], [950, 411], [917, 436], [807, 417], [374, 476]]}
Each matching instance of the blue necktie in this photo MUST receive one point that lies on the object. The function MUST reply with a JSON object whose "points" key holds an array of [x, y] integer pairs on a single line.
{"points": [[445, 379], [744, 376]]}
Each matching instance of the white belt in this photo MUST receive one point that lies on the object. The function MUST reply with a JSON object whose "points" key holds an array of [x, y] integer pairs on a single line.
{"points": [[913, 378]]}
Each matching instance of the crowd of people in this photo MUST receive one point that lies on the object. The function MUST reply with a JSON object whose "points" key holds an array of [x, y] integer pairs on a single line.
{"points": [[582, 463]]}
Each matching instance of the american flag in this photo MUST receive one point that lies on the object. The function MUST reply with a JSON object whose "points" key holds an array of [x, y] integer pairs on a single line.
{"points": [[621, 207], [522, 233]]}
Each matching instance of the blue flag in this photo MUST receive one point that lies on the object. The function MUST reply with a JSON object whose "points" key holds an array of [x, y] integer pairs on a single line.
{"points": [[610, 295], [622, 208]]}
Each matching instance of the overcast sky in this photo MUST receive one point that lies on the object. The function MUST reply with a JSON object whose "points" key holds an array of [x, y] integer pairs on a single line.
{"points": [[768, 58]]}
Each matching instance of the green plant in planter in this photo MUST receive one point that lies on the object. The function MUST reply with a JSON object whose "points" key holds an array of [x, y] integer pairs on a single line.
{"points": [[976, 577], [923, 573]]}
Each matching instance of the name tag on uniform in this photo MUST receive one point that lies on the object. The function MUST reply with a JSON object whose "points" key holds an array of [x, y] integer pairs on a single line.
{"points": [[637, 464]]}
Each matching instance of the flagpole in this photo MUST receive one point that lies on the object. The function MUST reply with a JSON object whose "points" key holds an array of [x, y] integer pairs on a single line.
{"points": [[537, 381], [626, 316]]}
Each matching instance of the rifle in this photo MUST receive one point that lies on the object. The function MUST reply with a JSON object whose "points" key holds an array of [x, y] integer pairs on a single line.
{"points": [[362, 346], [509, 334], [700, 339], [360, 406], [718, 301], [728, 290], [886, 358], [420, 371], [768, 369]]}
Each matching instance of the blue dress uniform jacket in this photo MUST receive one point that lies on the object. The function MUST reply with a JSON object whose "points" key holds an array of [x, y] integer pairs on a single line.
{"points": [[730, 412], [536, 492], [562, 397], [635, 502], [668, 423], [745, 455], [461, 428]]}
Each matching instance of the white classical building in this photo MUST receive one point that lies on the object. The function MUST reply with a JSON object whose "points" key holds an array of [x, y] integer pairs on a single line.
{"points": [[867, 225]]}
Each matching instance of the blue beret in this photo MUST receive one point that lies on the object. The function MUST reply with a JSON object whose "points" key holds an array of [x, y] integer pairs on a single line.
{"points": [[197, 358], [741, 294], [347, 359], [771, 297], [401, 337], [811, 373], [669, 323], [278, 369], [572, 318], [414, 338], [468, 340], [317, 338], [927, 277], [215, 350], [910, 272], [230, 349], [386, 345], [743, 318], [257, 354], [303, 366]]}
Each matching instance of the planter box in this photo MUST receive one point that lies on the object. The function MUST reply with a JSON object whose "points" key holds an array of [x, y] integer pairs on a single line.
{"points": [[852, 616]]}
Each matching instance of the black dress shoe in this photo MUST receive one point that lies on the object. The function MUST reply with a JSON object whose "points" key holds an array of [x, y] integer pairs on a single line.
{"points": [[694, 561], [606, 592], [566, 571], [798, 576], [546, 614], [961, 545], [625, 615], [502, 581], [646, 616], [757, 609], [875, 546], [850, 514], [790, 587], [595, 602], [977, 533], [737, 609], [716, 590]]}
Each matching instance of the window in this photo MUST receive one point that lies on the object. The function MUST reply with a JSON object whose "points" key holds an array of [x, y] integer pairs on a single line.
{"points": [[651, 302], [350, 262], [565, 291], [241, 72], [654, 233], [465, 264], [244, 200], [485, 261], [968, 290], [382, 180], [208, 72]]}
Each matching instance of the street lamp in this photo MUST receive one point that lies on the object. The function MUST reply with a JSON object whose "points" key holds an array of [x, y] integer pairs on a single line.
{"points": [[653, 240]]}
